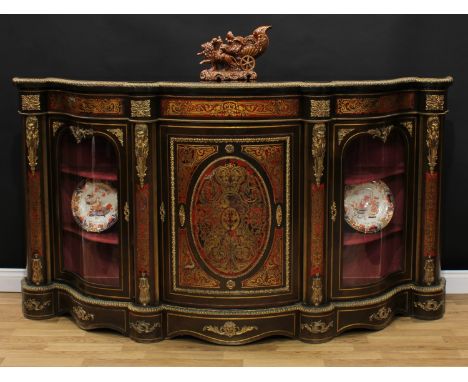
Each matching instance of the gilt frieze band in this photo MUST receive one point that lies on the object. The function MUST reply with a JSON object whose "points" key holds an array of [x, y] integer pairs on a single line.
{"points": [[248, 108]]}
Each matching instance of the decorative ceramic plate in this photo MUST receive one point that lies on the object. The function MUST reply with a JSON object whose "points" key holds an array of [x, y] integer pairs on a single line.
{"points": [[368, 206], [94, 205]]}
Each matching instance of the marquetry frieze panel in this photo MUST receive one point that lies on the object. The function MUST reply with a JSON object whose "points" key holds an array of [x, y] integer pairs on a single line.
{"points": [[85, 105], [246, 108], [383, 104]]}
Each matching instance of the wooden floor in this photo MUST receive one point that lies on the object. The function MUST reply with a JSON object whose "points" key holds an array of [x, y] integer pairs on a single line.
{"points": [[406, 342]]}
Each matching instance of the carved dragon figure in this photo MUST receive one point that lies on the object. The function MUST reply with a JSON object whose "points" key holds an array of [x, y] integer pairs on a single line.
{"points": [[233, 58]]}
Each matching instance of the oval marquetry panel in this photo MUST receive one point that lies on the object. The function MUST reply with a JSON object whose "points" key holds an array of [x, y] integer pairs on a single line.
{"points": [[230, 217]]}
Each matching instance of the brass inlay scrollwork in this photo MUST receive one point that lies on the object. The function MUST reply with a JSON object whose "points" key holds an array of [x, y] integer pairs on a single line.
{"points": [[429, 269], [432, 141], [31, 102], [182, 215], [118, 133], [318, 150], [429, 305], [382, 314], [140, 108], [82, 314], [317, 293], [162, 212], [35, 305], [144, 287], [229, 148], [343, 132], [229, 329], [80, 133], [144, 327], [381, 132], [141, 150], [317, 327], [319, 108], [55, 126], [36, 266], [32, 141], [435, 102], [126, 212], [333, 212]]}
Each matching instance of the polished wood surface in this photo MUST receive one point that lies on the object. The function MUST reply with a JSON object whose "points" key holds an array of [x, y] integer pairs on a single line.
{"points": [[406, 342]]}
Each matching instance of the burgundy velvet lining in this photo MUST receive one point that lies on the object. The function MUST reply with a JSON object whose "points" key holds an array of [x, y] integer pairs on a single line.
{"points": [[367, 258], [93, 256]]}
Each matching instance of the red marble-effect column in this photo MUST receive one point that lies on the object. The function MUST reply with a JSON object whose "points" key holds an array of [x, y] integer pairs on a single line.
{"points": [[430, 230], [35, 226], [142, 211]]}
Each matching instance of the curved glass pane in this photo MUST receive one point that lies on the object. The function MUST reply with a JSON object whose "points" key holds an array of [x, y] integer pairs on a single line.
{"points": [[374, 205], [88, 184]]}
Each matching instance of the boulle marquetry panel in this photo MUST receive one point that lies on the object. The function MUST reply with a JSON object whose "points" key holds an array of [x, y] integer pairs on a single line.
{"points": [[232, 212]]}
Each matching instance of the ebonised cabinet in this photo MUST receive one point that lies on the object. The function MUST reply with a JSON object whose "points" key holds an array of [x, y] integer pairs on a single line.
{"points": [[236, 211]]}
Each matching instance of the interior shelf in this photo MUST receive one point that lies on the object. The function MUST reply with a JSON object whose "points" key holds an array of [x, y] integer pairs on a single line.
{"points": [[99, 174], [111, 237]]}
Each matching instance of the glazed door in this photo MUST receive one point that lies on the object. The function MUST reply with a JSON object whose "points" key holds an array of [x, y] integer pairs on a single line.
{"points": [[372, 207], [229, 212], [91, 208]]}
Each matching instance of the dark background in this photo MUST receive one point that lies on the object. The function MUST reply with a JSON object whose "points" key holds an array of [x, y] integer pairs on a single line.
{"points": [[303, 48]]}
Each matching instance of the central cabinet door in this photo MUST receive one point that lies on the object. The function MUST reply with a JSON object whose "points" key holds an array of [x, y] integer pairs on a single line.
{"points": [[231, 233]]}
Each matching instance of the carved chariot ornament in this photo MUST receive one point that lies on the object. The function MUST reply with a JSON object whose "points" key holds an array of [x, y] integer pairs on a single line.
{"points": [[233, 59]]}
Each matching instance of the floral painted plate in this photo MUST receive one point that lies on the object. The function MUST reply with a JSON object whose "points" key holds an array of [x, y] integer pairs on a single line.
{"points": [[368, 206], [94, 205]]}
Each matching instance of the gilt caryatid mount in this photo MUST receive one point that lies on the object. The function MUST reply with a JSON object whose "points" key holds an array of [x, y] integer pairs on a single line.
{"points": [[234, 58]]}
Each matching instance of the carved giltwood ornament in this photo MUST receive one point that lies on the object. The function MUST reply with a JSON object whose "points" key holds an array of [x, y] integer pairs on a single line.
{"points": [[82, 314], [36, 266], [229, 329], [144, 327], [343, 132], [317, 293], [279, 215], [56, 125], [382, 314], [35, 305], [126, 212], [182, 215], [317, 327], [80, 133], [118, 133], [381, 132], [432, 141], [333, 212], [319, 108], [429, 305], [318, 150], [408, 125], [141, 151], [429, 268], [435, 102], [144, 287], [32, 141], [30, 102], [140, 108]]}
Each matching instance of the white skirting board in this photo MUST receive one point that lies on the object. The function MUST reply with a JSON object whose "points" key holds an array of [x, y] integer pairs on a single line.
{"points": [[10, 280]]}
